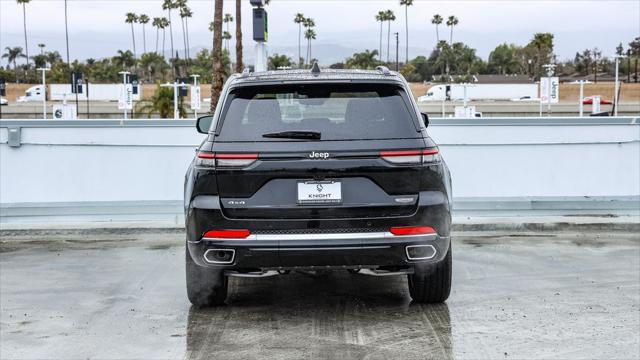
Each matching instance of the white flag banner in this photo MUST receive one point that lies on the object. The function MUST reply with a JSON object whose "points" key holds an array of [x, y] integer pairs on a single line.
{"points": [[195, 98], [549, 90], [125, 100]]}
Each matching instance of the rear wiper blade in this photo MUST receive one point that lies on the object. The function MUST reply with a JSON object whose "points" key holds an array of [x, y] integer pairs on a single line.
{"points": [[307, 135]]}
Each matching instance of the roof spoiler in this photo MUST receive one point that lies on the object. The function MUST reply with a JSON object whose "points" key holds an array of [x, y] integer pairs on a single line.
{"points": [[384, 70], [315, 69]]}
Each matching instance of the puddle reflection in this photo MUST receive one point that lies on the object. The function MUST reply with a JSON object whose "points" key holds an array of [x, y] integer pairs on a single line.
{"points": [[336, 316]]}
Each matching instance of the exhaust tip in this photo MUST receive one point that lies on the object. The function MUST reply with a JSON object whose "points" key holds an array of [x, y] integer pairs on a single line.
{"points": [[420, 252], [220, 256]]}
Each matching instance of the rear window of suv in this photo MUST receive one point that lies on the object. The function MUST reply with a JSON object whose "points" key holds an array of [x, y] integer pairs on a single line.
{"points": [[336, 111]]}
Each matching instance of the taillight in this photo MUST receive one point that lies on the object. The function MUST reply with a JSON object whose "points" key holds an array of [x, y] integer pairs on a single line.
{"points": [[412, 230], [431, 155], [402, 157], [423, 156], [240, 160], [228, 234]]}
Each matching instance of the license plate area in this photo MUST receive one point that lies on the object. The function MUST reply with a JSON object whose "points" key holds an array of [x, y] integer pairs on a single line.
{"points": [[319, 192]]}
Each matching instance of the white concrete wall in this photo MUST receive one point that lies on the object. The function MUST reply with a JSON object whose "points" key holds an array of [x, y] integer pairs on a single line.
{"points": [[145, 163]]}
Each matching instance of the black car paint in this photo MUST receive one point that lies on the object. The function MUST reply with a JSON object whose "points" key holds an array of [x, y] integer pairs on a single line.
{"points": [[207, 191]]}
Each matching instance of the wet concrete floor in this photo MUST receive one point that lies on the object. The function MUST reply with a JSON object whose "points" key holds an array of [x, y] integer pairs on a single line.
{"points": [[121, 295]]}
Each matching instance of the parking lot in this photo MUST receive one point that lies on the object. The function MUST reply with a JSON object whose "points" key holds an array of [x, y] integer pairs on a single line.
{"points": [[120, 294]]}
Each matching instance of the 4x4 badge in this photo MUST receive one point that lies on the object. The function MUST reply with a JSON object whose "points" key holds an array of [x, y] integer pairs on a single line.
{"points": [[319, 155]]}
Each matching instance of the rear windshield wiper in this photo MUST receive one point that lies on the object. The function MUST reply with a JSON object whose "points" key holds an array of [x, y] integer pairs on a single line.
{"points": [[306, 135]]}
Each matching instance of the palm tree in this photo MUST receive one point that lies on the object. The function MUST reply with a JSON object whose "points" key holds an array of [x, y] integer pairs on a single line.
{"points": [[161, 103], [380, 17], [131, 19], [24, 23], [226, 36], [389, 16], [299, 19], [168, 5], [310, 34], [185, 13], [437, 20], [308, 23], [165, 23], [216, 83], [53, 57], [157, 23], [363, 60], [12, 54], [40, 61], [41, 46], [124, 59], [239, 64], [144, 19], [406, 4], [452, 21]]}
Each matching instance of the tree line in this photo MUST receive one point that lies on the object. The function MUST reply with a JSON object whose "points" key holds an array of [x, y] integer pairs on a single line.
{"points": [[446, 61]]}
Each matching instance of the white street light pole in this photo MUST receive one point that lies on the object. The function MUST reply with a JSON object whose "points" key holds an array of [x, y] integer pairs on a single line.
{"points": [[617, 87], [195, 84], [175, 86], [124, 83], [44, 90], [581, 98]]}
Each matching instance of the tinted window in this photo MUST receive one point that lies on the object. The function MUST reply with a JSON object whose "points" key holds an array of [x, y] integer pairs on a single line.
{"points": [[337, 111]]}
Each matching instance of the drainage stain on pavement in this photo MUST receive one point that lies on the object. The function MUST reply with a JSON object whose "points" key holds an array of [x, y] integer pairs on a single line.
{"points": [[538, 296]]}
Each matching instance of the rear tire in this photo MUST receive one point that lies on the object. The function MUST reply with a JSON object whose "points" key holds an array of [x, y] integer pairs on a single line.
{"points": [[205, 286], [432, 284]]}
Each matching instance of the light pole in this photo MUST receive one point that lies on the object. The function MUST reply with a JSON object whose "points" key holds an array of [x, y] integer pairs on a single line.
{"points": [[44, 90], [260, 34], [124, 85], [617, 87], [397, 45], [580, 100], [175, 86]]}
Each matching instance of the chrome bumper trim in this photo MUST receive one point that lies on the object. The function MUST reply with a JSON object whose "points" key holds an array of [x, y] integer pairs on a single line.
{"points": [[406, 249], [328, 236], [374, 272]]}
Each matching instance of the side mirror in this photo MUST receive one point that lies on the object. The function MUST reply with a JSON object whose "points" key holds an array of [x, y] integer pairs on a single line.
{"points": [[204, 123], [425, 119]]}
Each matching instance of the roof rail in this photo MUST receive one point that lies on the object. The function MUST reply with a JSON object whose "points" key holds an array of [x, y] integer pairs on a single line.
{"points": [[315, 69], [384, 70], [245, 73]]}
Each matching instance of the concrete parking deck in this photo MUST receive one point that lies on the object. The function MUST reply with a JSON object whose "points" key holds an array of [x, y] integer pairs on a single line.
{"points": [[120, 294]]}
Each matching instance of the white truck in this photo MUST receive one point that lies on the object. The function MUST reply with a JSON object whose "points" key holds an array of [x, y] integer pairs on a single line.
{"points": [[480, 92], [34, 93], [97, 92]]}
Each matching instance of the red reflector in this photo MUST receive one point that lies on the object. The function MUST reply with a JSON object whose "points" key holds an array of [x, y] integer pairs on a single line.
{"points": [[203, 155], [400, 153], [237, 156], [412, 230], [228, 234]]}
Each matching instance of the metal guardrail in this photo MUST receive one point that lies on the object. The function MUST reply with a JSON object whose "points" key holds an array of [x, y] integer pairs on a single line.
{"points": [[493, 121]]}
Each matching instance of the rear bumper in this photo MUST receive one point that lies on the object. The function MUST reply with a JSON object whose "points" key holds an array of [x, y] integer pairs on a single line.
{"points": [[316, 251], [281, 244]]}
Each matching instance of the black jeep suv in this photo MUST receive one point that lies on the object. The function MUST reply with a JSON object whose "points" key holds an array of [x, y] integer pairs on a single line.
{"points": [[312, 171]]}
